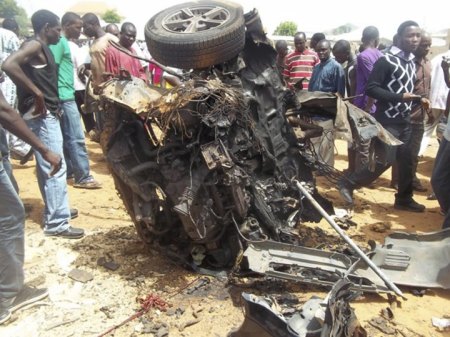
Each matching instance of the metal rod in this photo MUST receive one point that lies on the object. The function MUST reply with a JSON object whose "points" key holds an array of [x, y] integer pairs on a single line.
{"points": [[358, 250]]}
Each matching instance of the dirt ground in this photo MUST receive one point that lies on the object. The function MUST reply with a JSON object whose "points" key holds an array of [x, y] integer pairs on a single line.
{"points": [[198, 305]]}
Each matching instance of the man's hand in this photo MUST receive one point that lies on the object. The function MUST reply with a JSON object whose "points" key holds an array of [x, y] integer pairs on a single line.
{"points": [[408, 97], [55, 161], [425, 104], [39, 105]]}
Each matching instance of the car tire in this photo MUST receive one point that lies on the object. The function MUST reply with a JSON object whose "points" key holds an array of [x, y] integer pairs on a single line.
{"points": [[183, 36]]}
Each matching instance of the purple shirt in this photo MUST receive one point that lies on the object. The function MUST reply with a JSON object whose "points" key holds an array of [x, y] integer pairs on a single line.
{"points": [[364, 65]]}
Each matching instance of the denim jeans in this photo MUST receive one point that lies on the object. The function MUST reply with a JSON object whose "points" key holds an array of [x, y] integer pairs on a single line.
{"points": [[75, 151], [53, 189], [440, 179], [4, 153], [12, 220]]}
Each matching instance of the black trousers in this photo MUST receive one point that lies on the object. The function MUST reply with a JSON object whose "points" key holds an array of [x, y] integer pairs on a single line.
{"points": [[440, 179], [385, 156]]}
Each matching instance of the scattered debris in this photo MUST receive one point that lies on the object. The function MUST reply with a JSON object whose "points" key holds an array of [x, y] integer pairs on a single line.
{"points": [[442, 324], [108, 264], [80, 275], [381, 227]]}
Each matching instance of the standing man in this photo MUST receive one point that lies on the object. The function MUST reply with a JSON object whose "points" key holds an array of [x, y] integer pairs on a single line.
{"points": [[281, 47], [75, 153], [300, 63], [33, 70], [343, 54], [358, 153], [9, 43], [364, 64], [440, 179], [97, 51], [438, 97], [117, 60], [391, 83], [14, 294], [418, 113], [327, 76]]}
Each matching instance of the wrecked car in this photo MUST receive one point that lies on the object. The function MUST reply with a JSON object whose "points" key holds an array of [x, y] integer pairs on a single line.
{"points": [[210, 170], [208, 165]]}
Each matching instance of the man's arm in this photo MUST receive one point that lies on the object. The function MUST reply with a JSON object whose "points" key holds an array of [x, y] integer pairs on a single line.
{"points": [[13, 68], [445, 67], [375, 87], [12, 122]]}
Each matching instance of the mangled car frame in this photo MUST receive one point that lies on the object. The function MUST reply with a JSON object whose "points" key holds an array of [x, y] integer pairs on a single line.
{"points": [[210, 168]]}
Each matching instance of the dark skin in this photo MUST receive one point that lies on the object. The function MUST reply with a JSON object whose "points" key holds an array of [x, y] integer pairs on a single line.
{"points": [[445, 67], [12, 122], [421, 52], [323, 50], [300, 42], [409, 41], [127, 36], [31, 53]]}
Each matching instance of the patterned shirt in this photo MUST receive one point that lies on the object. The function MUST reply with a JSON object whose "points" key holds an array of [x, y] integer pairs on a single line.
{"points": [[9, 43], [300, 65], [393, 75]]}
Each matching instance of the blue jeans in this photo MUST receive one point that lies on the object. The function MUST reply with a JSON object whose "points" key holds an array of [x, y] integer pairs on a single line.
{"points": [[4, 153], [12, 220], [75, 151], [53, 189], [440, 179]]}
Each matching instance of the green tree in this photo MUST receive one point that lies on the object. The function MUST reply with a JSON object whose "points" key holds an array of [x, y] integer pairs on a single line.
{"points": [[10, 9], [286, 28], [111, 16]]}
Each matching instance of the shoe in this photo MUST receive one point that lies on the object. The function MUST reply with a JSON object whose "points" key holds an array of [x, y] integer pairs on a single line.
{"points": [[25, 297], [5, 315], [432, 196], [90, 184], [419, 187], [94, 135], [410, 205], [73, 213], [69, 233], [25, 159], [346, 193]]}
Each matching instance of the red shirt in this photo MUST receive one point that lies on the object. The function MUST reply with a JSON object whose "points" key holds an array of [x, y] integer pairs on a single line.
{"points": [[299, 65], [115, 60]]}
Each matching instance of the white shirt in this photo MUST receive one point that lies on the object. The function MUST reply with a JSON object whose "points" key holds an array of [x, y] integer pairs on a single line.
{"points": [[79, 56], [439, 90]]}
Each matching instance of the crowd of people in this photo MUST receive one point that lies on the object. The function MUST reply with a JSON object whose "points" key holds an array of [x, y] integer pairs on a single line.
{"points": [[405, 92], [45, 79]]}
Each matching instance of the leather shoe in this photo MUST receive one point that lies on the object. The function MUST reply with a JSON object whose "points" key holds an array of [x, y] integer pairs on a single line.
{"points": [[410, 205], [73, 213], [419, 187], [69, 233]]}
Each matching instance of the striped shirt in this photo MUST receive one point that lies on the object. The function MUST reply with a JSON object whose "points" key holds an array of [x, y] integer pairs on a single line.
{"points": [[300, 65]]}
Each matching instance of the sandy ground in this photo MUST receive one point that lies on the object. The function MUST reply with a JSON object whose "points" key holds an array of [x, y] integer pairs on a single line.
{"points": [[212, 309]]}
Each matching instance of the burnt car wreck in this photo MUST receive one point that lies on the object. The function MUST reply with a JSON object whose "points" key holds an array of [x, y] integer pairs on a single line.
{"points": [[210, 164], [209, 170]]}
